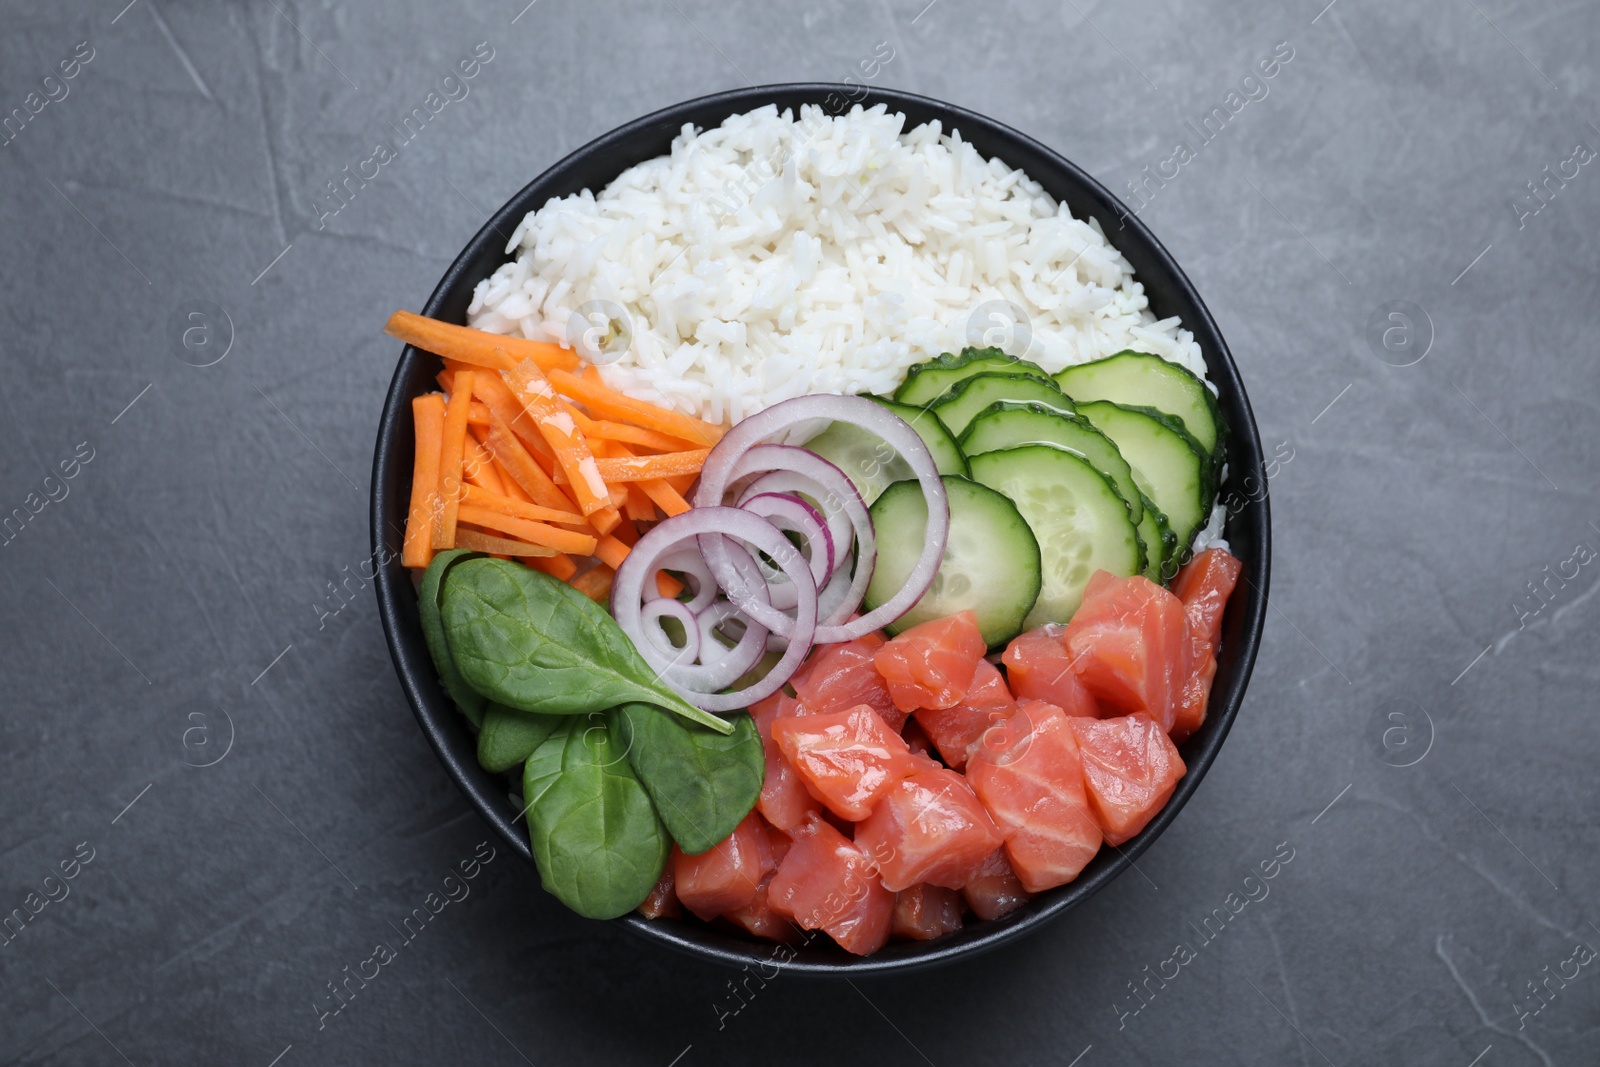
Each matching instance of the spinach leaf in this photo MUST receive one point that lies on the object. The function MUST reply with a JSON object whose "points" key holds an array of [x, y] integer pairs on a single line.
{"points": [[508, 737], [433, 632], [702, 783], [598, 843], [526, 640]]}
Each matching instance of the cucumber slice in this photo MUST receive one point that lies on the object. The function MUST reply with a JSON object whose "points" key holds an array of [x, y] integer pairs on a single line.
{"points": [[871, 464], [1168, 465], [1082, 525], [1007, 425], [1139, 379], [991, 560], [1160, 545], [966, 400], [926, 382]]}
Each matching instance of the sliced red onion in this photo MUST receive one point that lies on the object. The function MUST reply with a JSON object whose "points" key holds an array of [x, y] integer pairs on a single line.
{"points": [[796, 470], [725, 665], [744, 587], [726, 463], [690, 563], [665, 608], [791, 514]]}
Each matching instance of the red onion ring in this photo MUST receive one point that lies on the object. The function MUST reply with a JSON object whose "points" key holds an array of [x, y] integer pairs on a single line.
{"points": [[723, 466], [744, 586], [790, 514]]}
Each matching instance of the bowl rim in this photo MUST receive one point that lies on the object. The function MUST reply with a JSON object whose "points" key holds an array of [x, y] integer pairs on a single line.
{"points": [[444, 727]]}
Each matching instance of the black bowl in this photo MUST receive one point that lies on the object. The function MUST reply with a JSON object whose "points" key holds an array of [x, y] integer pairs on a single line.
{"points": [[593, 167]]}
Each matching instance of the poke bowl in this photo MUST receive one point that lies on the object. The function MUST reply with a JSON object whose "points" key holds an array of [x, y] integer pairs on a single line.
{"points": [[628, 437]]}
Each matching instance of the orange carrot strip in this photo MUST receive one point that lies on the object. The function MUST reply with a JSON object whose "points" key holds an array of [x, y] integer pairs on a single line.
{"points": [[484, 498], [603, 402], [683, 484], [452, 449], [618, 495], [478, 414], [558, 566], [666, 465], [490, 350], [427, 413], [558, 429], [595, 583], [606, 519], [610, 551], [477, 541], [535, 533], [508, 483], [667, 585], [507, 448], [663, 495], [634, 435], [477, 464], [638, 507]]}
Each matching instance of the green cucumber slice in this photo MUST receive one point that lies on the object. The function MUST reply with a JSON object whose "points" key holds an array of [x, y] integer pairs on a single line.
{"points": [[1081, 523], [1168, 465], [991, 561], [926, 382], [1139, 379], [1007, 425], [966, 400]]}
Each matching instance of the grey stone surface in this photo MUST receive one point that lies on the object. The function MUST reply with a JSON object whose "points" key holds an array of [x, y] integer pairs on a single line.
{"points": [[178, 598]]}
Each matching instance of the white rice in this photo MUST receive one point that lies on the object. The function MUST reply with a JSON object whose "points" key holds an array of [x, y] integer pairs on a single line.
{"points": [[779, 255]]}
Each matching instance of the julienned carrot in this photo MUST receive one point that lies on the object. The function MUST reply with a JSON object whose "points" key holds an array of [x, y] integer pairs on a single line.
{"points": [[528, 474], [477, 465], [666, 465], [638, 507], [478, 414], [489, 350], [663, 495], [427, 414], [606, 519], [610, 551], [558, 566], [452, 448], [499, 546], [682, 485], [557, 427], [508, 484], [595, 583], [535, 533], [605, 430], [619, 495], [604, 402], [511, 506]]}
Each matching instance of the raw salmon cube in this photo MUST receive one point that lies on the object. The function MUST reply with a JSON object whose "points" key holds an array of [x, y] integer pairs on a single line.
{"points": [[931, 828], [1028, 774], [841, 676], [663, 899], [931, 664], [1038, 667], [954, 730], [1204, 586], [784, 802], [725, 876], [925, 912], [1130, 767], [847, 759], [1130, 645], [758, 918], [995, 890], [826, 883]]}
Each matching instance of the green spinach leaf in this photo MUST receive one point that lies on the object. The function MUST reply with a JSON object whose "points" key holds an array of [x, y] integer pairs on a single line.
{"points": [[702, 783], [526, 640], [507, 737], [597, 841], [433, 632]]}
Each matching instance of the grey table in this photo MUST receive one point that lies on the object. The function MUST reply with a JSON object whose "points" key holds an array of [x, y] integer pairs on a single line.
{"points": [[201, 723]]}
